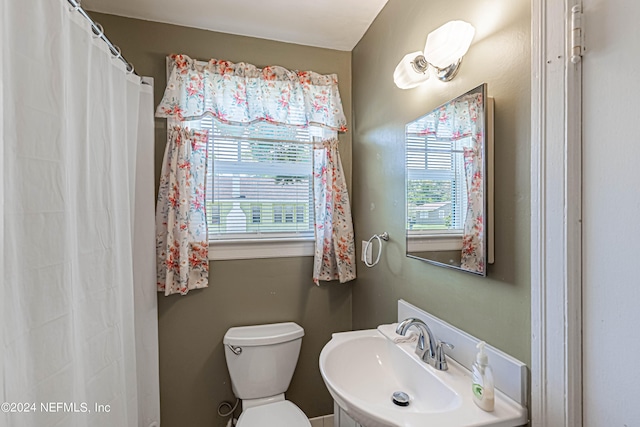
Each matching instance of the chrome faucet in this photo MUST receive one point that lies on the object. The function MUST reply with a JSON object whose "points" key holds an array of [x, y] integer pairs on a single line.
{"points": [[429, 348]]}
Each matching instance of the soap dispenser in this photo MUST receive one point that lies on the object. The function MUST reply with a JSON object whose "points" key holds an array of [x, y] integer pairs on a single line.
{"points": [[482, 388]]}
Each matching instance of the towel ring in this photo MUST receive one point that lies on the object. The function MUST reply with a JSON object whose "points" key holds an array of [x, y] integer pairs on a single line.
{"points": [[380, 237]]}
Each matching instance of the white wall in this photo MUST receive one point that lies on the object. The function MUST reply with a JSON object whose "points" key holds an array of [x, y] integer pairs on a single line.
{"points": [[611, 211]]}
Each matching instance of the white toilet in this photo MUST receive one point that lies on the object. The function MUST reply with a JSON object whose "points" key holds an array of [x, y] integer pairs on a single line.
{"points": [[261, 360]]}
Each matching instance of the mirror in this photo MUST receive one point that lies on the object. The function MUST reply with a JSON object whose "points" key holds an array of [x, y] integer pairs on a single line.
{"points": [[448, 185]]}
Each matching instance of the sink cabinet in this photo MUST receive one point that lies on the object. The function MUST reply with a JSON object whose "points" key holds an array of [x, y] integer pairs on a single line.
{"points": [[341, 419]]}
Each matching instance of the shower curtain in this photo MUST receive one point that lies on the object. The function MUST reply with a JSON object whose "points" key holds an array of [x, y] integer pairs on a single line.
{"points": [[79, 316]]}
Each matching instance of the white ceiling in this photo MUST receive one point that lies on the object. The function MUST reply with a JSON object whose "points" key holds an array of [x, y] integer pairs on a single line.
{"points": [[333, 24]]}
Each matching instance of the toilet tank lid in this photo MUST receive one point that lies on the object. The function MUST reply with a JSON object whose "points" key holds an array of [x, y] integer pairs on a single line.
{"points": [[272, 333]]}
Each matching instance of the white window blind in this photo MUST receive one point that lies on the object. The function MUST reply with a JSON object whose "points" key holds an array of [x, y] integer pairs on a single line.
{"points": [[259, 181], [436, 183]]}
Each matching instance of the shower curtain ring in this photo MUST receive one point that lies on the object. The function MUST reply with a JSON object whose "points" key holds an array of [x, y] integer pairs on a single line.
{"points": [[98, 30], [116, 52], [76, 5], [130, 68]]}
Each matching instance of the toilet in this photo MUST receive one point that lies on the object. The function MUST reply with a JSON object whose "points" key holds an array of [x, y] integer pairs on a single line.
{"points": [[261, 360]]}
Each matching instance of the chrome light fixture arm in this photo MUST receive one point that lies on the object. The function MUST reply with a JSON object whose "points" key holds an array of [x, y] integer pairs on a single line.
{"points": [[420, 65], [448, 73]]}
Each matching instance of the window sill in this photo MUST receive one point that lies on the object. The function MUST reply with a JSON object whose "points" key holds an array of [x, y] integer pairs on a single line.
{"points": [[434, 242], [260, 248]]}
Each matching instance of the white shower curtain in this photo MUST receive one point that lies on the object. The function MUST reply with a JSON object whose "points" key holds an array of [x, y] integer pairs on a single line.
{"points": [[79, 337]]}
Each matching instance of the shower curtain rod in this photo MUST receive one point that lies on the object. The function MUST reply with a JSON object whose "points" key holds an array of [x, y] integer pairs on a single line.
{"points": [[99, 32]]}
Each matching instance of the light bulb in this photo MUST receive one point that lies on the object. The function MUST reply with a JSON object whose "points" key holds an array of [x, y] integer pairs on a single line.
{"points": [[447, 44], [405, 76]]}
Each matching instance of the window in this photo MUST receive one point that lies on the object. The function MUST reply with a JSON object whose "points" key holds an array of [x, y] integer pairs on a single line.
{"points": [[288, 214], [300, 209], [277, 214], [259, 178], [436, 182], [259, 188], [214, 214], [256, 214], [259, 169]]}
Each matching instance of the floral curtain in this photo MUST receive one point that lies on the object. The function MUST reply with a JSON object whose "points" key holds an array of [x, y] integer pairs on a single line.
{"points": [[472, 241], [470, 119], [242, 93], [182, 246], [334, 253]]}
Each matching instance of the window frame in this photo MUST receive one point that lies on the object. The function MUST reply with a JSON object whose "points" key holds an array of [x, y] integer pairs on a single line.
{"points": [[286, 247]]}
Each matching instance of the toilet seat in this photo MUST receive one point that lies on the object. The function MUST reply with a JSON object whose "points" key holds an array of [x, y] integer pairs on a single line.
{"points": [[278, 414]]}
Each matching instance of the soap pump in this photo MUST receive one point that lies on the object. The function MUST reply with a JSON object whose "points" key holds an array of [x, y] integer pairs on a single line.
{"points": [[482, 388]]}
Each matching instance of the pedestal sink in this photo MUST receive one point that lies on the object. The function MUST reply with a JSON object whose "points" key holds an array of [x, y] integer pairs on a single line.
{"points": [[363, 370]]}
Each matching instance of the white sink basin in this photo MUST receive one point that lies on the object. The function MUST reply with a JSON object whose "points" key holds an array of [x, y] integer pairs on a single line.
{"points": [[362, 370]]}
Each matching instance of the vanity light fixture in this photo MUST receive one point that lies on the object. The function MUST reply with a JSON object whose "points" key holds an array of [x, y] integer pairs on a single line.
{"points": [[443, 51]]}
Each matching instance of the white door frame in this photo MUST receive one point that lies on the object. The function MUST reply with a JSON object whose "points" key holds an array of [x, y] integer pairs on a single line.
{"points": [[556, 285]]}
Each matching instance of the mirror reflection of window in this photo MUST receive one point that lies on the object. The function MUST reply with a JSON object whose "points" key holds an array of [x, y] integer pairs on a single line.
{"points": [[436, 185], [445, 184]]}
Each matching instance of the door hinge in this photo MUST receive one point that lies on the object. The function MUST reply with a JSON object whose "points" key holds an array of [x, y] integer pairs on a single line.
{"points": [[576, 34]]}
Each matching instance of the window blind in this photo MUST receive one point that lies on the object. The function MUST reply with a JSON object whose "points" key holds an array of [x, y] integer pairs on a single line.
{"points": [[436, 183], [259, 181]]}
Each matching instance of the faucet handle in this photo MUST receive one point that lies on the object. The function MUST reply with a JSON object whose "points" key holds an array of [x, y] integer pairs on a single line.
{"points": [[448, 345], [440, 361]]}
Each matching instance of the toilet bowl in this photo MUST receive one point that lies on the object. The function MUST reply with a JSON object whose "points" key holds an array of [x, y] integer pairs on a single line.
{"points": [[279, 414], [261, 360]]}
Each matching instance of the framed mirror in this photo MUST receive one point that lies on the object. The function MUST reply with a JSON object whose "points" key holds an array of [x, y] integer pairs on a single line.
{"points": [[449, 183]]}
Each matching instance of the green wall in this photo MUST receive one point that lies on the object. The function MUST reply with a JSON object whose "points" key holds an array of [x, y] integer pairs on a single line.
{"points": [[496, 308], [193, 372]]}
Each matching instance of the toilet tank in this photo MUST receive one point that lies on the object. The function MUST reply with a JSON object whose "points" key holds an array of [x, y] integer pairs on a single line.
{"points": [[266, 359]]}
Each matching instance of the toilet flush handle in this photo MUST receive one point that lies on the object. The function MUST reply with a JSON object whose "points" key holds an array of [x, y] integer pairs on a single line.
{"points": [[236, 350]]}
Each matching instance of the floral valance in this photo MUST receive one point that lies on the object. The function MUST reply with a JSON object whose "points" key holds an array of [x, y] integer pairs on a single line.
{"points": [[459, 119], [242, 93]]}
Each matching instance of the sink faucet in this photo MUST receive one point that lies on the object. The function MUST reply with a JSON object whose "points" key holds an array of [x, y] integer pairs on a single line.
{"points": [[429, 348]]}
